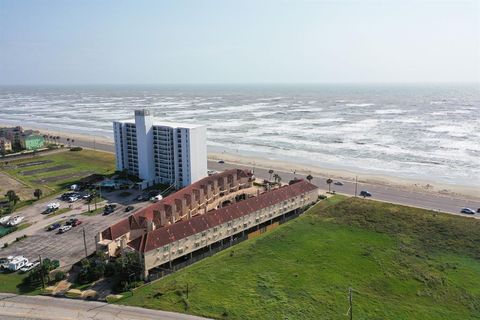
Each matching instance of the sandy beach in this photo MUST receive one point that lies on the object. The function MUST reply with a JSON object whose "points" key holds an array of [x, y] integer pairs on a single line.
{"points": [[454, 191]]}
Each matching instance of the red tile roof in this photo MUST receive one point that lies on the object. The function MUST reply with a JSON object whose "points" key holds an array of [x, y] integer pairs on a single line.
{"points": [[137, 220], [164, 235]]}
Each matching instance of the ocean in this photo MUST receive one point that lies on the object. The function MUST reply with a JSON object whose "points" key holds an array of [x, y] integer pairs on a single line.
{"points": [[426, 132]]}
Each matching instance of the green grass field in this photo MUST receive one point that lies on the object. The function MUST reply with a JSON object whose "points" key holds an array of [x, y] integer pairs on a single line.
{"points": [[13, 283], [402, 263], [62, 169]]}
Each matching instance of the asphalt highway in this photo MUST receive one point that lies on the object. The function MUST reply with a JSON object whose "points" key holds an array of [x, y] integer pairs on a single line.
{"points": [[15, 307], [443, 203]]}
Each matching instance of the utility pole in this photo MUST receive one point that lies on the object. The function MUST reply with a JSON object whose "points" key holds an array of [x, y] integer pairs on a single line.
{"points": [[356, 185], [85, 242], [41, 271], [350, 302]]}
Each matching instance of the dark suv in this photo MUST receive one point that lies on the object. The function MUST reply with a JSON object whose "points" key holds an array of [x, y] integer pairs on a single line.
{"points": [[364, 194]]}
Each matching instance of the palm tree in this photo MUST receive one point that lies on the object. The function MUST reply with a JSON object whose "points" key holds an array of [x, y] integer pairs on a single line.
{"points": [[68, 141], [73, 141], [270, 172], [12, 196], [37, 193], [329, 182], [309, 178]]}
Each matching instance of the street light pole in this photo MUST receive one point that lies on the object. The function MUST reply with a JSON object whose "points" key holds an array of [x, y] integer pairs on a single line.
{"points": [[356, 184]]}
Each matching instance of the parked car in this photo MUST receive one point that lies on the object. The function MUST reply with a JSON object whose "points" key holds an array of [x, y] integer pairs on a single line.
{"points": [[67, 195], [221, 161], [141, 198], [478, 210], [71, 221], [338, 183], [76, 223], [156, 198], [15, 221], [4, 220], [109, 208], [64, 229], [53, 226], [128, 208], [365, 193], [72, 199], [467, 211], [29, 266]]}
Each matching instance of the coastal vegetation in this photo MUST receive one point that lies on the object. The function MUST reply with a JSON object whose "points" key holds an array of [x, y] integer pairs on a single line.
{"points": [[44, 175], [401, 262]]}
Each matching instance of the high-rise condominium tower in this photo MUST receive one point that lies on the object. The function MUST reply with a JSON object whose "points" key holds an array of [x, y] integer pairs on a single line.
{"points": [[160, 152]]}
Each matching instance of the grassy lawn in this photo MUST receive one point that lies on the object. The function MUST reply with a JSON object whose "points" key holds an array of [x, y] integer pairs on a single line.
{"points": [[402, 263], [93, 212], [12, 283], [56, 171]]}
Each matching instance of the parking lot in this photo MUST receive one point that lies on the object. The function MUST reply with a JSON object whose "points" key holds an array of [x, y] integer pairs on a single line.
{"points": [[68, 247]]}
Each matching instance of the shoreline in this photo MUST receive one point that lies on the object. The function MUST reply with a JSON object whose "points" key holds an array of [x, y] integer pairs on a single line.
{"points": [[423, 186]]}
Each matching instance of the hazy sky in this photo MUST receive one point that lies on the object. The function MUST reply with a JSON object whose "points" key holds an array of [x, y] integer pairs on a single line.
{"points": [[259, 41]]}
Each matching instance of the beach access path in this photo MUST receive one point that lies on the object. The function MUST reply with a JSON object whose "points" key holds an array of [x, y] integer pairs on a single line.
{"points": [[15, 307], [432, 201]]}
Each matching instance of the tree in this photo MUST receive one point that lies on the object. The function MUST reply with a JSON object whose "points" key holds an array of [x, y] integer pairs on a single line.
{"points": [[12, 196], [127, 268], [309, 178], [68, 141], [43, 270], [270, 172], [37, 193], [329, 182], [73, 141]]}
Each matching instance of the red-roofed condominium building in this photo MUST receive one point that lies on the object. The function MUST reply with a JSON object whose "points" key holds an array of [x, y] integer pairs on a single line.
{"points": [[207, 194], [167, 246]]}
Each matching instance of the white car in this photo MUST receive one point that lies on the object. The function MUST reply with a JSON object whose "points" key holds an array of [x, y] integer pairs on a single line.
{"points": [[4, 220], [338, 183], [15, 221], [156, 198], [53, 205], [64, 229], [72, 199], [29, 266]]}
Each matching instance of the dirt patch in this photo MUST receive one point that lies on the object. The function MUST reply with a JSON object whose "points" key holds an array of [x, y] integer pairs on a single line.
{"points": [[49, 169], [63, 177], [33, 163], [8, 183]]}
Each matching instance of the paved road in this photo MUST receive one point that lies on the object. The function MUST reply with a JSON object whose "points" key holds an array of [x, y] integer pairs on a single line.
{"points": [[13, 307], [383, 193]]}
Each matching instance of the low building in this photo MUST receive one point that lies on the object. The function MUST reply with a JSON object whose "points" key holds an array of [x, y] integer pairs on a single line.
{"points": [[32, 141], [161, 247], [5, 145], [207, 194], [12, 133]]}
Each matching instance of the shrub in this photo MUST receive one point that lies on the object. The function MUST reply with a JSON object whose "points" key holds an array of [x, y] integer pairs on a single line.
{"points": [[59, 276], [76, 149]]}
